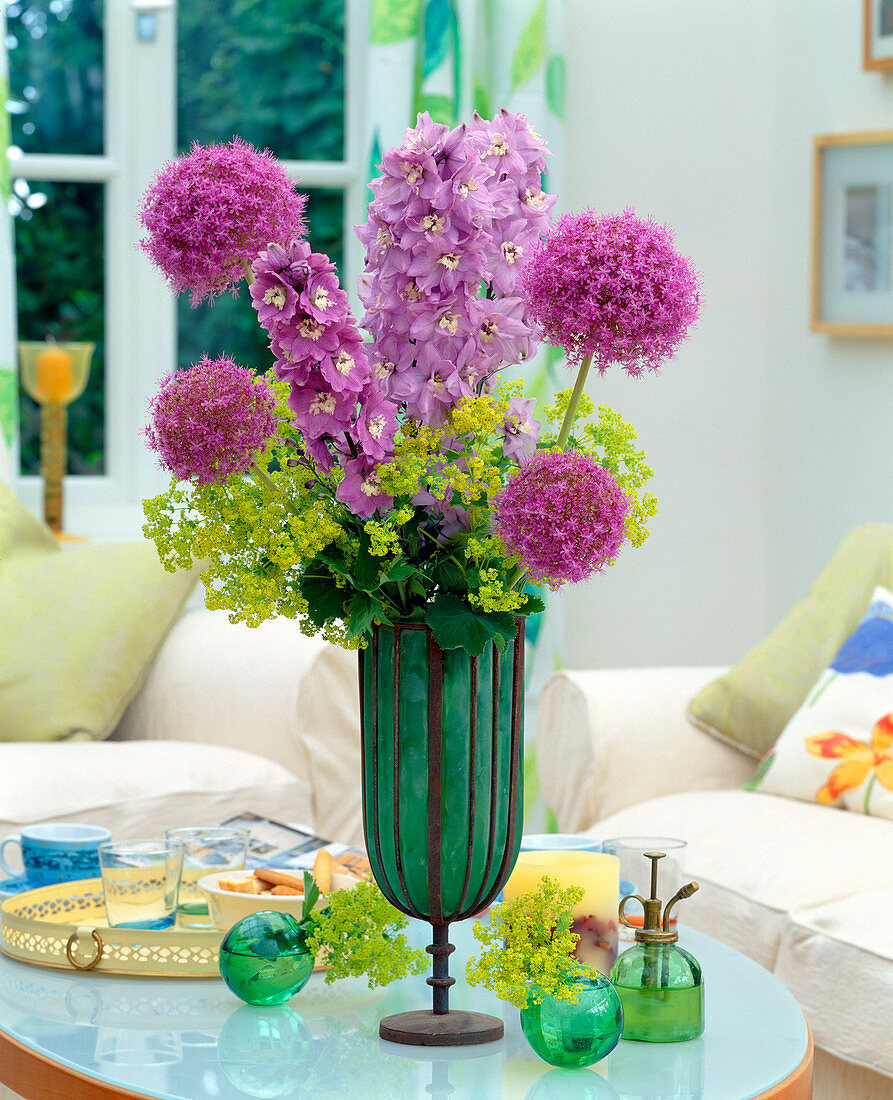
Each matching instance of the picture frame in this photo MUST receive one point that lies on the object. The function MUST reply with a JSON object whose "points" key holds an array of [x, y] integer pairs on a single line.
{"points": [[852, 234], [877, 35]]}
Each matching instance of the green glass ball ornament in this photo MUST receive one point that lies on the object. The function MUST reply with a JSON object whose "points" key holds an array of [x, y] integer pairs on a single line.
{"points": [[265, 1052], [574, 1035], [264, 958], [571, 1084]]}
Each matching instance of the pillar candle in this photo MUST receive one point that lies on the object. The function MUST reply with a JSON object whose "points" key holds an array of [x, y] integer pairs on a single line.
{"points": [[595, 917], [53, 377]]}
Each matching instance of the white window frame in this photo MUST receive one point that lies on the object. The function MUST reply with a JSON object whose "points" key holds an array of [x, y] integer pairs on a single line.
{"points": [[140, 312]]}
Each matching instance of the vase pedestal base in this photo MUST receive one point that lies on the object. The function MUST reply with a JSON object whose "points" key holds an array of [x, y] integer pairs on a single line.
{"points": [[449, 1029]]}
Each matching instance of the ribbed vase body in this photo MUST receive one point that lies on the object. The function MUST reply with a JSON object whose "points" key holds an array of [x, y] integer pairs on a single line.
{"points": [[442, 748]]}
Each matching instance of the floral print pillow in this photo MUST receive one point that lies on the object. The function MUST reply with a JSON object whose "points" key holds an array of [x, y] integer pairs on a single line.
{"points": [[837, 749]]}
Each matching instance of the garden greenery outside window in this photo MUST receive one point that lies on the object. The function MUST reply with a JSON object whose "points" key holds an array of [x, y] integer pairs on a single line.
{"points": [[89, 87], [102, 95]]}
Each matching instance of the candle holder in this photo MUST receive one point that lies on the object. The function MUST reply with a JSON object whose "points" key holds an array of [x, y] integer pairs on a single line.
{"points": [[54, 375]]}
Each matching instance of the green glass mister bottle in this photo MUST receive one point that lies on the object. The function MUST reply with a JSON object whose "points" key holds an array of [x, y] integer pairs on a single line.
{"points": [[659, 984]]}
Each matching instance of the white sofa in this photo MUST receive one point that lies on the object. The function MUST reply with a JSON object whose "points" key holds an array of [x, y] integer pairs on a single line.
{"points": [[804, 889], [229, 719]]}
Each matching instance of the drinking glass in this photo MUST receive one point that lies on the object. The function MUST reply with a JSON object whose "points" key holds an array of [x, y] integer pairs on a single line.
{"points": [[140, 881], [630, 850], [205, 849]]}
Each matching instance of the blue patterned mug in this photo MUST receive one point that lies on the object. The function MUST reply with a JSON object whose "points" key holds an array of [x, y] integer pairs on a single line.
{"points": [[57, 852]]}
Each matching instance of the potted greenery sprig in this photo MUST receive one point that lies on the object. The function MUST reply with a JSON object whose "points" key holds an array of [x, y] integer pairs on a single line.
{"points": [[268, 957], [570, 1014]]}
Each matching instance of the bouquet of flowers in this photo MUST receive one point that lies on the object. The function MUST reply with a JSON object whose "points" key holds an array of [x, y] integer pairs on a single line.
{"points": [[396, 475]]}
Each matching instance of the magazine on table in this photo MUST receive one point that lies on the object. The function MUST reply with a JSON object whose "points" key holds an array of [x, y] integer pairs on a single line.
{"points": [[276, 844]]}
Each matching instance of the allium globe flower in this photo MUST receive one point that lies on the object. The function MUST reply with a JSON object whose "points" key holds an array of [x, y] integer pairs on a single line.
{"points": [[207, 422], [210, 212], [563, 515], [611, 286]]}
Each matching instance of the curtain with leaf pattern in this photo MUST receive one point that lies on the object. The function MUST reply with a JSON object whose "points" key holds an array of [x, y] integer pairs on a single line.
{"points": [[450, 58]]}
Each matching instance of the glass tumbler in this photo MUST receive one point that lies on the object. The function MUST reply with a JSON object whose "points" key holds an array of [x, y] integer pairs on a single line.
{"points": [[634, 866], [140, 881], [205, 849]]}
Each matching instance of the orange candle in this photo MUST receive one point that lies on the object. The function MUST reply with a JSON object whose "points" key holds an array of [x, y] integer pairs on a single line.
{"points": [[53, 377]]}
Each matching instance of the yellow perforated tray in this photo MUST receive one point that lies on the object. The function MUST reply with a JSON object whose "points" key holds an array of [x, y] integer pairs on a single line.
{"points": [[65, 926]]}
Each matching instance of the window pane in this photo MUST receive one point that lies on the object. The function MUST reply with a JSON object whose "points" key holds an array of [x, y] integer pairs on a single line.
{"points": [[228, 326], [271, 72], [59, 250], [55, 75]]}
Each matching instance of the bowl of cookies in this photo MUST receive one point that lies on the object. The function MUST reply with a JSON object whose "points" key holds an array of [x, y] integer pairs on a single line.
{"points": [[234, 894]]}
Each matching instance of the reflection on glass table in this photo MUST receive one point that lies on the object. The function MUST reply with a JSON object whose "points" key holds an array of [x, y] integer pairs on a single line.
{"points": [[191, 1039]]}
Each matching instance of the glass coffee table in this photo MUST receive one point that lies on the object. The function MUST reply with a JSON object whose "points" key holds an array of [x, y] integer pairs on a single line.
{"points": [[97, 1036]]}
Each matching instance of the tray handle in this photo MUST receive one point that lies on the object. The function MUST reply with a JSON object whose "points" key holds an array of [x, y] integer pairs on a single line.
{"points": [[72, 941]]}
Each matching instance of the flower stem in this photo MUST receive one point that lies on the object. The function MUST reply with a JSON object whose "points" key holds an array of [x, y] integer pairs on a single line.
{"points": [[266, 482], [571, 413], [516, 577], [866, 805]]}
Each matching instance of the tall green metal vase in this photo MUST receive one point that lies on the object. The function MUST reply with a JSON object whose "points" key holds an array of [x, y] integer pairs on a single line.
{"points": [[442, 735]]}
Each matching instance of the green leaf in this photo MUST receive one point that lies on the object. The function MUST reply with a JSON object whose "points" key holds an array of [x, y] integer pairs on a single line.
{"points": [[481, 100], [437, 24], [417, 587], [555, 82], [455, 626], [311, 895], [399, 570], [335, 560], [531, 49], [439, 107], [393, 21], [365, 570], [448, 574], [325, 600], [535, 605]]}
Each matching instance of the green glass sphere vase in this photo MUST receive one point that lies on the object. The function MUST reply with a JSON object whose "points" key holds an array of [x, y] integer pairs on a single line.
{"points": [[575, 1035], [264, 958]]}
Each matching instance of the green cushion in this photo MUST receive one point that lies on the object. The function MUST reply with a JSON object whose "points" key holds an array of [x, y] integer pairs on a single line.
{"points": [[79, 628], [749, 706]]}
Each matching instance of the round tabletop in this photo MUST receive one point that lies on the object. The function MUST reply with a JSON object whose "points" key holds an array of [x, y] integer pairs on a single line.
{"points": [[86, 1036]]}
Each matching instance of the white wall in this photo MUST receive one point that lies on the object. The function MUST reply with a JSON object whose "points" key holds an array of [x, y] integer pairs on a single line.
{"points": [[767, 440]]}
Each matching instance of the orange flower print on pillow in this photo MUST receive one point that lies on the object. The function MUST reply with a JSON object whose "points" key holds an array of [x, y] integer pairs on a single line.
{"points": [[858, 760]]}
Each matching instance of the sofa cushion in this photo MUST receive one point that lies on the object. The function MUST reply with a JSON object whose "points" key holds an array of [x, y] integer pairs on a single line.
{"points": [[756, 857], [141, 787], [269, 689], [837, 749], [750, 705], [78, 628], [837, 960]]}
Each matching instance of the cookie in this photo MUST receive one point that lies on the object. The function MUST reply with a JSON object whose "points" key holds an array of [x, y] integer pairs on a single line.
{"points": [[279, 878], [240, 885], [322, 870]]}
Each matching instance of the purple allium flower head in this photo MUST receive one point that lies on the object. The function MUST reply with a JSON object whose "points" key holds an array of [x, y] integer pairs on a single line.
{"points": [[614, 287], [212, 210], [208, 421], [563, 515]]}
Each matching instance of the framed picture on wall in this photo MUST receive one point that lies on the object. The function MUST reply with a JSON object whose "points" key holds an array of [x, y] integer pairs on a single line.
{"points": [[877, 34], [852, 235]]}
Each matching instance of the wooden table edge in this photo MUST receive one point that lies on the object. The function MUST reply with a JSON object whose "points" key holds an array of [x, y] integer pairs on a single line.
{"points": [[797, 1085], [38, 1077]]}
